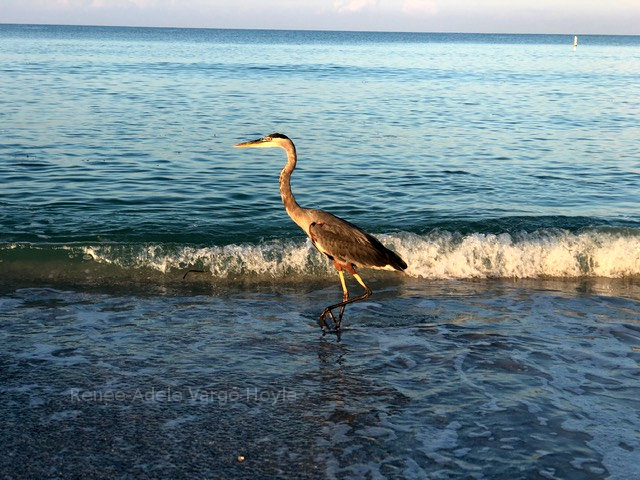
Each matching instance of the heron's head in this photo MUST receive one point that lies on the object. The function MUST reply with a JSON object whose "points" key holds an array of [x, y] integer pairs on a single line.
{"points": [[273, 140]]}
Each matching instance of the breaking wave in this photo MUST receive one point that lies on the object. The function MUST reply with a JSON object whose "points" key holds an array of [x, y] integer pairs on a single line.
{"points": [[548, 253]]}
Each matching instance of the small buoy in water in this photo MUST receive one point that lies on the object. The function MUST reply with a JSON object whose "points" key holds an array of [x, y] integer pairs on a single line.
{"points": [[240, 458]]}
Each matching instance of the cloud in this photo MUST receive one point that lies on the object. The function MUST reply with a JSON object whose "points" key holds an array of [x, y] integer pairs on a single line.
{"points": [[410, 7], [351, 6], [141, 4], [101, 4], [429, 7]]}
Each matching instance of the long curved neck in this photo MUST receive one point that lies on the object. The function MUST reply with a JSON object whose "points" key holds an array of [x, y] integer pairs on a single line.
{"points": [[293, 209]]}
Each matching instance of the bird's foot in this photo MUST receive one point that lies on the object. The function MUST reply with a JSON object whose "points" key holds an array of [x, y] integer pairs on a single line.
{"points": [[329, 327]]}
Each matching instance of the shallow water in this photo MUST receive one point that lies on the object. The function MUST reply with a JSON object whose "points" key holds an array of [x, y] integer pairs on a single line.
{"points": [[442, 380]]}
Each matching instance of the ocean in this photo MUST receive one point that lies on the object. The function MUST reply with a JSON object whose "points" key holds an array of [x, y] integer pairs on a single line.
{"points": [[504, 169]]}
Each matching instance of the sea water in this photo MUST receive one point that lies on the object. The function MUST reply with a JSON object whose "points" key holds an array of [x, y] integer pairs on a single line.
{"points": [[503, 168]]}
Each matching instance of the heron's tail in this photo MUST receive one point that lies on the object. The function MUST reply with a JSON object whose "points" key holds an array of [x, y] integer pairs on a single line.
{"points": [[396, 262]]}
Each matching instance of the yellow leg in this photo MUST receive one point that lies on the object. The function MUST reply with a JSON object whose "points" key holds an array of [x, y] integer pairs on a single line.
{"points": [[345, 297], [344, 284], [361, 282]]}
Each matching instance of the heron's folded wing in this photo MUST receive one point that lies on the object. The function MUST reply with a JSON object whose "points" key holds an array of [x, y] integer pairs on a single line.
{"points": [[348, 243]]}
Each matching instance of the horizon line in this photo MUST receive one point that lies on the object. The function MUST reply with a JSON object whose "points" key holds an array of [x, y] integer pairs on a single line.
{"points": [[313, 30]]}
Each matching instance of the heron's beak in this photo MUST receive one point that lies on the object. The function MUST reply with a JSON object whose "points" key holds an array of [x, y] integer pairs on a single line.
{"points": [[261, 142]]}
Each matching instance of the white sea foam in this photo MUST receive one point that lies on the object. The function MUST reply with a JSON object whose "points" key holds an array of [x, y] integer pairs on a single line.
{"points": [[273, 259], [437, 255], [538, 254]]}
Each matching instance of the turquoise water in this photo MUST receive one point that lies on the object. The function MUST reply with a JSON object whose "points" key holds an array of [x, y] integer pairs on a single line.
{"points": [[503, 168]]}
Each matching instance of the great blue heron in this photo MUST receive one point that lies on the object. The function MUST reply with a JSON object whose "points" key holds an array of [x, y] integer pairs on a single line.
{"points": [[345, 244]]}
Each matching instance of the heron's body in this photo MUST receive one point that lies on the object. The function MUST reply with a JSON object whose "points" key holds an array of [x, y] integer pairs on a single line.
{"points": [[348, 246]]}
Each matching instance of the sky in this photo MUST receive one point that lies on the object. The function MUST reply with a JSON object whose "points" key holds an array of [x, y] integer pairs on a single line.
{"points": [[491, 16]]}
